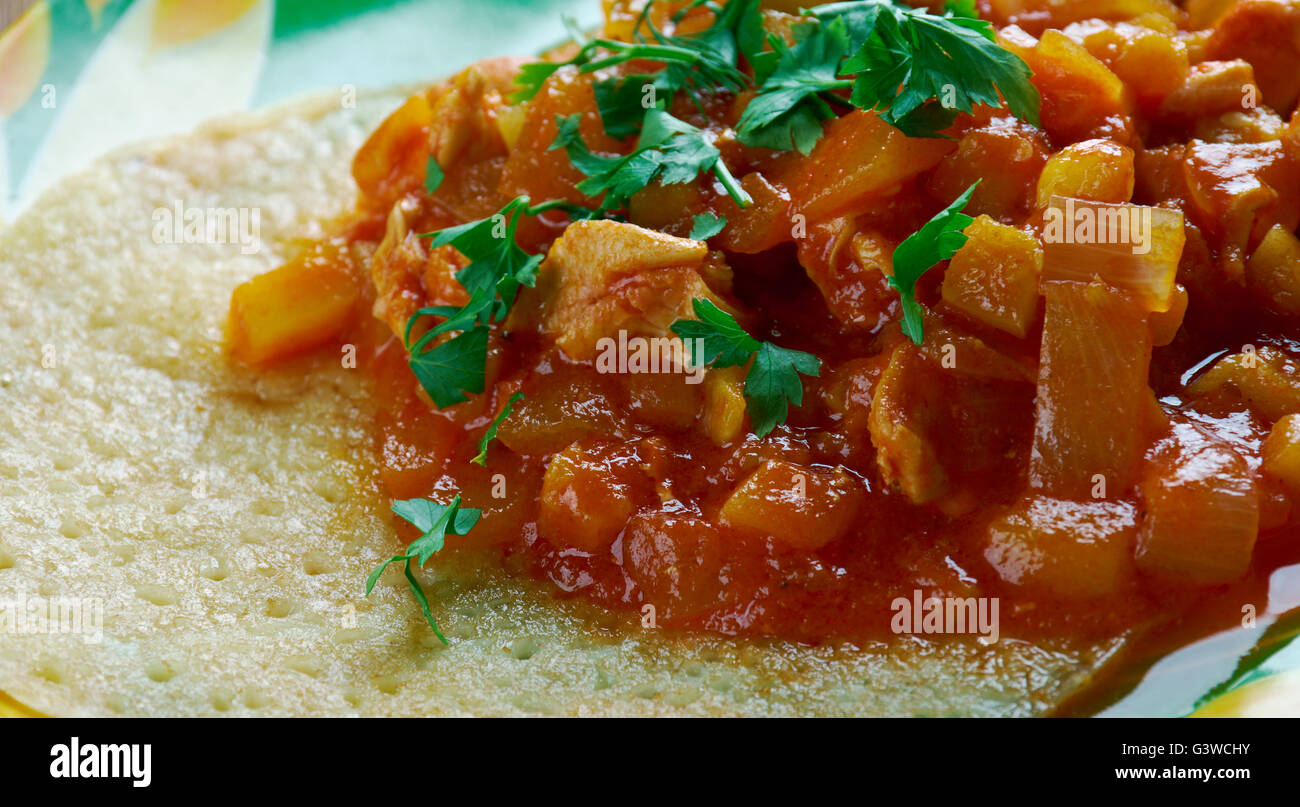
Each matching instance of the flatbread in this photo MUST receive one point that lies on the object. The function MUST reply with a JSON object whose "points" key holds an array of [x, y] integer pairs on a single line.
{"points": [[226, 520]]}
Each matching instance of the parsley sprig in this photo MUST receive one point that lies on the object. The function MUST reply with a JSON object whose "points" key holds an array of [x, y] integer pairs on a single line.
{"points": [[771, 384], [497, 269], [920, 69], [937, 240], [916, 69], [669, 151], [797, 87], [434, 521], [490, 434]]}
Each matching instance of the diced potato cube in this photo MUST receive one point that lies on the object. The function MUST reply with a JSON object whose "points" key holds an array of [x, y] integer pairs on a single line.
{"points": [[724, 404], [793, 504], [859, 159], [1064, 549], [1149, 59], [1257, 125], [1082, 98], [1005, 156], [993, 278], [1165, 324], [1092, 379], [1211, 88], [587, 496], [1273, 271], [1202, 509], [665, 398], [676, 560], [392, 160], [1100, 170], [1267, 378], [569, 407], [1135, 248], [299, 306], [1281, 452]]}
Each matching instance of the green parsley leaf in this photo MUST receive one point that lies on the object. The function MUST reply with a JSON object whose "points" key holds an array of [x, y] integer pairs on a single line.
{"points": [[789, 108], [707, 225], [937, 240], [906, 57], [450, 369], [716, 336], [621, 101], [771, 383], [434, 522], [433, 175], [497, 269], [496, 263], [669, 151], [491, 433]]}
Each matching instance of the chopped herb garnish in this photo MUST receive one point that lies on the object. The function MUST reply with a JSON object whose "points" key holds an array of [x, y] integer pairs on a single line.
{"points": [[707, 225], [937, 240], [795, 83], [669, 151], [497, 268], [689, 67], [920, 69], [491, 433], [434, 522], [433, 175], [772, 382], [622, 102]]}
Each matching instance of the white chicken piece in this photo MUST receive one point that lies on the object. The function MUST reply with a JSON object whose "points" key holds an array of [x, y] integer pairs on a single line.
{"points": [[601, 277]]}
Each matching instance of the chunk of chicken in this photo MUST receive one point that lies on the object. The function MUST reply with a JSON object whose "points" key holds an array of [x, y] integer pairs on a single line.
{"points": [[943, 429], [407, 275], [466, 110], [601, 277]]}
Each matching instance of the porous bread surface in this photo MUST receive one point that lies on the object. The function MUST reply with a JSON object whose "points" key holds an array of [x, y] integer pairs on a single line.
{"points": [[227, 519]]}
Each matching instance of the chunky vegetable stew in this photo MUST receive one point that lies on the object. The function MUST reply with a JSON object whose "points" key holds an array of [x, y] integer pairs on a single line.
{"points": [[746, 319]]}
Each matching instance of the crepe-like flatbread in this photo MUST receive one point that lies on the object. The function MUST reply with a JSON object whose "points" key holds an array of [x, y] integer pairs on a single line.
{"points": [[226, 520]]}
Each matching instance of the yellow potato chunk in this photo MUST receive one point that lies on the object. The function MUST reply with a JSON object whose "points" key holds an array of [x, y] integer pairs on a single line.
{"points": [[794, 504], [993, 278], [1267, 378], [1098, 169], [296, 307], [1281, 452], [587, 496], [1064, 549], [1273, 271], [724, 404]]}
